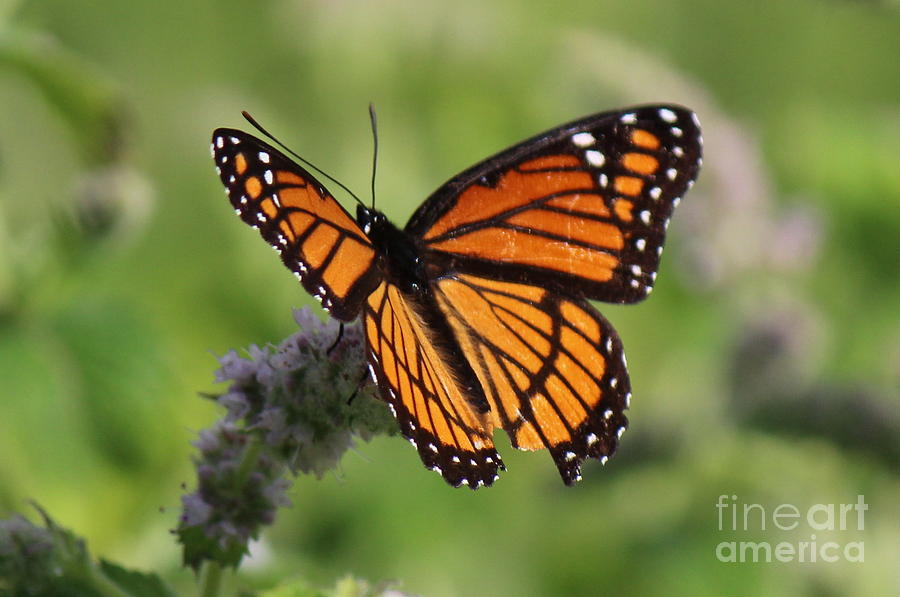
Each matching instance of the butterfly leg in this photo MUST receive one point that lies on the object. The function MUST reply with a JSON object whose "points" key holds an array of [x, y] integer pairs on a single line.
{"points": [[336, 340], [362, 381]]}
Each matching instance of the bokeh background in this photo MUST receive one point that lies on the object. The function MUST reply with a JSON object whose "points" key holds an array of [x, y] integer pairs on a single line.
{"points": [[766, 365]]}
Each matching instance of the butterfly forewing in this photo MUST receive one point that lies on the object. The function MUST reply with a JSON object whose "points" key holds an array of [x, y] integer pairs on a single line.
{"points": [[582, 209], [314, 235]]}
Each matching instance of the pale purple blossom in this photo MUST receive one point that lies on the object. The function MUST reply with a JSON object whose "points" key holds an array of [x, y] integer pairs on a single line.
{"points": [[288, 410]]}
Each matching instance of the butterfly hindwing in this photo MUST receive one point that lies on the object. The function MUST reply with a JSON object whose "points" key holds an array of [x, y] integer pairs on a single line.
{"points": [[582, 208], [452, 435], [551, 368], [316, 238]]}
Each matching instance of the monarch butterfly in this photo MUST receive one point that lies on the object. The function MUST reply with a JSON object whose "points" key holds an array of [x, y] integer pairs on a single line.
{"points": [[476, 314]]}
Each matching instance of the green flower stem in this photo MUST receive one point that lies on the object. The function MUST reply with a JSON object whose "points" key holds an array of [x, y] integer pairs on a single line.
{"points": [[211, 579]]}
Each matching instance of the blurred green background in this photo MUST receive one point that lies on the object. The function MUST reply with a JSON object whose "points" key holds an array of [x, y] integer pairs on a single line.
{"points": [[766, 365]]}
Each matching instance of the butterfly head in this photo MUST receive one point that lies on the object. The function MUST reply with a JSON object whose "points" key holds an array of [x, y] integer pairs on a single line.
{"points": [[369, 219]]}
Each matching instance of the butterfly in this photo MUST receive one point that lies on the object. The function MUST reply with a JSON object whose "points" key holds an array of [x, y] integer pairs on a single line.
{"points": [[476, 313]]}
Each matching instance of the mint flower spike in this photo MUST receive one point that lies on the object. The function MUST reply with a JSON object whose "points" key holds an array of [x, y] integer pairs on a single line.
{"points": [[287, 410]]}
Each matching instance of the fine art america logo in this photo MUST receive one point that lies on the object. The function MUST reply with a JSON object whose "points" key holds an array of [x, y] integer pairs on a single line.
{"points": [[736, 517]]}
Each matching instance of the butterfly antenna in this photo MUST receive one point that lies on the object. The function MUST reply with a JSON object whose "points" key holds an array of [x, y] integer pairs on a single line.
{"points": [[304, 161], [374, 122]]}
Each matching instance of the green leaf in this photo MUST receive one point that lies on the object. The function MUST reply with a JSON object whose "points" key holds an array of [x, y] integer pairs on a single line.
{"points": [[136, 584]]}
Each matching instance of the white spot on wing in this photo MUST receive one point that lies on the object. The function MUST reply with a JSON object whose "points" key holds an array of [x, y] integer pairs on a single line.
{"points": [[629, 118], [263, 157], [594, 158], [583, 139], [671, 173], [269, 177], [645, 216], [667, 115], [655, 193]]}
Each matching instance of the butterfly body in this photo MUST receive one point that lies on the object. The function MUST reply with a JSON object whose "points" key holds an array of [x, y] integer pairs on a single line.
{"points": [[476, 313]]}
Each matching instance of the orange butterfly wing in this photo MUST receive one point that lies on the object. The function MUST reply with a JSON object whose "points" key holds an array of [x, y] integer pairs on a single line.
{"points": [[551, 368], [581, 209], [422, 384], [316, 238], [516, 244]]}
